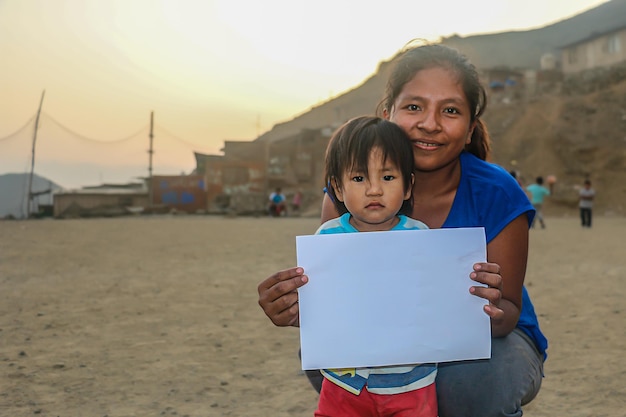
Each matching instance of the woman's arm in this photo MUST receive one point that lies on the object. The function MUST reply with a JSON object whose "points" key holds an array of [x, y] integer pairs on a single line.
{"points": [[328, 209], [507, 255], [278, 296]]}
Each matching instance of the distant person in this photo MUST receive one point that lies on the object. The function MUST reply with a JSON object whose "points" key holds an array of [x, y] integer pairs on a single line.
{"points": [[585, 203], [296, 202], [369, 169], [277, 202], [537, 195], [515, 175]]}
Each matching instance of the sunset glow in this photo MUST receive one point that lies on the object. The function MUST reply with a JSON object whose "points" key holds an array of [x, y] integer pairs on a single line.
{"points": [[210, 70]]}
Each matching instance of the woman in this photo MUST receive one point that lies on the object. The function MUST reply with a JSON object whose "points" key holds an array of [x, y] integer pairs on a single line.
{"points": [[435, 95]]}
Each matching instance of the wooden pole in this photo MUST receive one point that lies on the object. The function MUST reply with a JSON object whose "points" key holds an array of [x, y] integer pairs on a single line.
{"points": [[150, 153], [32, 162]]}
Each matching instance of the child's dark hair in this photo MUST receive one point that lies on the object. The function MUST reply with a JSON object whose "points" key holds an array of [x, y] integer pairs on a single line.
{"points": [[350, 147], [414, 59]]}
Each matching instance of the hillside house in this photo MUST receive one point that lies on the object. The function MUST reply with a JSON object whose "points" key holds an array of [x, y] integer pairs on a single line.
{"points": [[597, 50], [239, 172], [242, 179]]}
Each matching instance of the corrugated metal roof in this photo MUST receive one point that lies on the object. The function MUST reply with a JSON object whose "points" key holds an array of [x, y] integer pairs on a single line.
{"points": [[102, 191], [594, 35]]}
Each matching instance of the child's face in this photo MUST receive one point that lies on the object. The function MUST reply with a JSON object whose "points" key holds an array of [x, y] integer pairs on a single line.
{"points": [[373, 200]]}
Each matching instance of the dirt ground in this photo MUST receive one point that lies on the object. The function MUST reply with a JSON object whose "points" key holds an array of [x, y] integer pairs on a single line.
{"points": [[158, 316]]}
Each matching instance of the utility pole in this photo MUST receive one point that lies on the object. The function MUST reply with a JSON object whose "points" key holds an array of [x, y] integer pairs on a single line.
{"points": [[32, 162], [150, 153]]}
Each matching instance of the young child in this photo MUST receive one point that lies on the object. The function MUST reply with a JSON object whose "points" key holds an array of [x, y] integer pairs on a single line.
{"points": [[369, 172]]}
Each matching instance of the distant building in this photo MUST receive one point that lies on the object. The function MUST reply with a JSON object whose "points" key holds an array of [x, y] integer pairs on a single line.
{"points": [[170, 193], [596, 50], [242, 178], [103, 201], [181, 193], [547, 62], [239, 172]]}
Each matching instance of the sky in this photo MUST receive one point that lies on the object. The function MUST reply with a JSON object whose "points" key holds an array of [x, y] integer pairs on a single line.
{"points": [[208, 70]]}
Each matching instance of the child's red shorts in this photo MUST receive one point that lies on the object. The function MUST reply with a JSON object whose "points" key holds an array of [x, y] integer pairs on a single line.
{"points": [[337, 402]]}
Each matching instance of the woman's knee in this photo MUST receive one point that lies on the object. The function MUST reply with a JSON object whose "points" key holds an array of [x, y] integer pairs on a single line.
{"points": [[495, 387]]}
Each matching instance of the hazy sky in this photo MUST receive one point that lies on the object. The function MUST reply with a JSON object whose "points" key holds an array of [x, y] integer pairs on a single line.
{"points": [[211, 70]]}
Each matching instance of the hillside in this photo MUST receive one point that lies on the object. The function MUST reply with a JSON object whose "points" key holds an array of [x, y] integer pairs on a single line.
{"points": [[572, 129], [523, 49], [515, 49], [574, 134]]}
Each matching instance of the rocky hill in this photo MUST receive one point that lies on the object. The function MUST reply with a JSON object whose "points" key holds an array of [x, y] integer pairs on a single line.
{"points": [[575, 133], [572, 129], [523, 49]]}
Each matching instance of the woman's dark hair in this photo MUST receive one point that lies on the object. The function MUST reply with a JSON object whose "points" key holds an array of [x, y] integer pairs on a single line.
{"points": [[414, 59], [350, 147]]}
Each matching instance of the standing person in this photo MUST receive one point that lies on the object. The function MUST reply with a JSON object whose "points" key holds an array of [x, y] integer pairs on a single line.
{"points": [[369, 169], [277, 202], [296, 202], [585, 203], [538, 193], [515, 175], [435, 96]]}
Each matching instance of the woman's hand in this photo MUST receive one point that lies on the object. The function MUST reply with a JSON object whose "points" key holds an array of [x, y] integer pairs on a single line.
{"points": [[489, 274], [278, 296]]}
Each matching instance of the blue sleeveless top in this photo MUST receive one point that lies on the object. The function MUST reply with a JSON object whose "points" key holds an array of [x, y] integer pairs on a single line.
{"points": [[489, 197]]}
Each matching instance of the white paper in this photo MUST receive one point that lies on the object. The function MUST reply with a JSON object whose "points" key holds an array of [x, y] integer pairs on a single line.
{"points": [[391, 298]]}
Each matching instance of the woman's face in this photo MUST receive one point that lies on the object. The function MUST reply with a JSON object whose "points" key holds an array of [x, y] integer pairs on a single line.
{"points": [[433, 110]]}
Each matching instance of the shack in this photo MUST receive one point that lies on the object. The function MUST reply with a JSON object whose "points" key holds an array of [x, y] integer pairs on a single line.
{"points": [[101, 201]]}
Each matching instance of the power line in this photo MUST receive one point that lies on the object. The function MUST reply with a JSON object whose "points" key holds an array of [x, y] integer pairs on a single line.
{"points": [[67, 129], [9, 136], [90, 139], [64, 130]]}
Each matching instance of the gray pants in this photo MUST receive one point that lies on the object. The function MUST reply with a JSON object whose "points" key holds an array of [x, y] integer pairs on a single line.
{"points": [[538, 216], [497, 387]]}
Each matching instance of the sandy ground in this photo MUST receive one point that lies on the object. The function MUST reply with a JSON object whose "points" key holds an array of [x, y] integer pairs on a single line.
{"points": [[158, 316]]}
